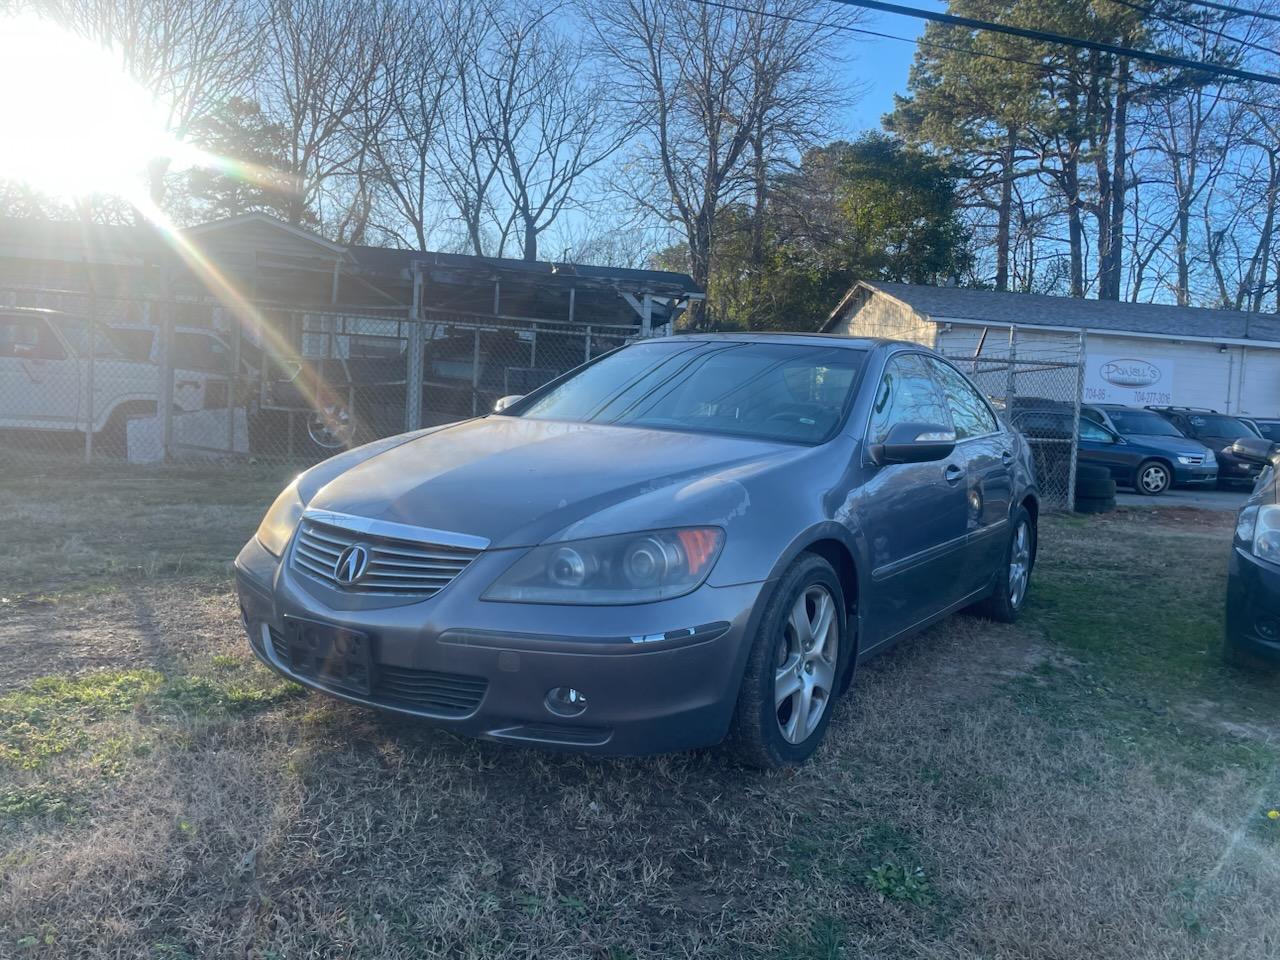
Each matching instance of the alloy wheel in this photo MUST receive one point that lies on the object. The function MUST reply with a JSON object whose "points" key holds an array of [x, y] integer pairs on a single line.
{"points": [[332, 427], [1019, 564], [1154, 478], [805, 666]]}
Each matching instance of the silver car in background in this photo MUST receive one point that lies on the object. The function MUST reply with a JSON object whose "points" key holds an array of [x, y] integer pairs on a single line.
{"points": [[689, 539]]}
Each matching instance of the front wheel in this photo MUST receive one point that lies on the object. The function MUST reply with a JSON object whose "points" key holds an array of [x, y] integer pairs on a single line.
{"points": [[799, 652], [1006, 602], [1153, 478]]}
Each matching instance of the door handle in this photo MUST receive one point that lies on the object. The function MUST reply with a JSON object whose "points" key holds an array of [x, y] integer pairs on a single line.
{"points": [[1006, 457], [953, 473]]}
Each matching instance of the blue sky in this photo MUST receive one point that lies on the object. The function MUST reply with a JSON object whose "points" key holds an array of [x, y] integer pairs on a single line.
{"points": [[881, 66]]}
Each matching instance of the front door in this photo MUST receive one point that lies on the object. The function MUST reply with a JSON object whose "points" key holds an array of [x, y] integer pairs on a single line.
{"points": [[912, 514], [988, 454], [39, 382]]}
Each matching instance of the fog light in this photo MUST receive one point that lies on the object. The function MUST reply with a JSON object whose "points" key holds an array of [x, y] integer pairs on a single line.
{"points": [[1267, 628], [566, 701]]}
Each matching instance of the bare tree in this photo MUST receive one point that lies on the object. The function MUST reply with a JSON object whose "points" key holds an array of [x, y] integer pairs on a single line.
{"points": [[717, 91], [421, 101], [325, 63]]}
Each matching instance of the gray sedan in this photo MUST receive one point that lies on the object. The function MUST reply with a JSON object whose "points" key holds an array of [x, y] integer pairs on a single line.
{"points": [[686, 540]]}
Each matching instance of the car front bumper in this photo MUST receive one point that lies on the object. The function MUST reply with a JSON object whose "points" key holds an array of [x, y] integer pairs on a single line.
{"points": [[1195, 475], [1233, 470], [1253, 605], [656, 677]]}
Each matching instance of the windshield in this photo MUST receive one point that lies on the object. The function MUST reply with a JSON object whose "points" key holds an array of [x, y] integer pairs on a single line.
{"points": [[1228, 428], [771, 391], [1143, 422], [1269, 429]]}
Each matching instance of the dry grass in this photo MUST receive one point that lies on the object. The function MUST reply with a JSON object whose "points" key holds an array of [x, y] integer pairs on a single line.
{"points": [[1088, 784]]}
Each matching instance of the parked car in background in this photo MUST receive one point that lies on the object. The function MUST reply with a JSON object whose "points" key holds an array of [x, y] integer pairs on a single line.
{"points": [[687, 539], [1266, 427], [1175, 459], [1218, 432], [1148, 464], [1253, 570]]}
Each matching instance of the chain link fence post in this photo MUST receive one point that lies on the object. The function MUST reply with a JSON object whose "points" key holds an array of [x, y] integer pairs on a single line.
{"points": [[90, 387], [164, 403], [1075, 420]]}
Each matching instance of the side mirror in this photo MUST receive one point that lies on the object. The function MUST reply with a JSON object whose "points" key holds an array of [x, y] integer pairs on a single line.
{"points": [[1254, 449], [914, 443], [508, 400]]}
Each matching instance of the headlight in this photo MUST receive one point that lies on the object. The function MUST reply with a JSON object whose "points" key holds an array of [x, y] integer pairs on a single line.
{"points": [[279, 523], [631, 568], [1259, 529]]}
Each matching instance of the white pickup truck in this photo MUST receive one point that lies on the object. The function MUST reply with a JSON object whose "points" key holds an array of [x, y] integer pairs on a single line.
{"points": [[45, 379]]}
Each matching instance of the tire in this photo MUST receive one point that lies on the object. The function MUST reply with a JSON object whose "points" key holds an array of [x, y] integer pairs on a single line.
{"points": [[1090, 505], [1010, 596], [766, 731], [1096, 489], [1091, 471], [1152, 478]]}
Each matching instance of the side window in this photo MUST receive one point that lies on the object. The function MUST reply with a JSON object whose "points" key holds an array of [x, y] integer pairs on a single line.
{"points": [[969, 412], [1091, 431], [906, 394], [28, 338]]}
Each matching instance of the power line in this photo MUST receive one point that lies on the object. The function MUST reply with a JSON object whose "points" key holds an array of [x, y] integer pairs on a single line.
{"points": [[1239, 11], [1044, 36], [1044, 68], [1170, 19]]}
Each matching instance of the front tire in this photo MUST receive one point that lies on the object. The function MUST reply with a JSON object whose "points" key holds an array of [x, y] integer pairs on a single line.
{"points": [[1152, 478], [799, 652], [1006, 603]]}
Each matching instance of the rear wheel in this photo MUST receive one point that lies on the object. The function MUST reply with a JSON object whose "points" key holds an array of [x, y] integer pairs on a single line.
{"points": [[1006, 602], [1237, 655], [790, 684], [1152, 478]]}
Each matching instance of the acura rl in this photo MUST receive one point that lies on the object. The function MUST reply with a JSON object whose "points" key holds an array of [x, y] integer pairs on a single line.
{"points": [[687, 540]]}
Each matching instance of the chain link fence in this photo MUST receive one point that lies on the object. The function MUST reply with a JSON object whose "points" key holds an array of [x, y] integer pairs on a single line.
{"points": [[147, 381], [1041, 398]]}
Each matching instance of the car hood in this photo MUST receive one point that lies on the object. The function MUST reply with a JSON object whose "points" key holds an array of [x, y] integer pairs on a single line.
{"points": [[517, 482], [1174, 445]]}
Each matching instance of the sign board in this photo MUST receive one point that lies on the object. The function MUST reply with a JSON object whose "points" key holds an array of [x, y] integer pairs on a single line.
{"points": [[1136, 381]]}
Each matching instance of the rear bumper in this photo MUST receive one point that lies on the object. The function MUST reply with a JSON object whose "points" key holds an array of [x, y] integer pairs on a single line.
{"points": [[656, 677], [1253, 605]]}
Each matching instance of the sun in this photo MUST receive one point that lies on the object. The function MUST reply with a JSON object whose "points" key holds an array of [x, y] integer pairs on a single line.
{"points": [[73, 122]]}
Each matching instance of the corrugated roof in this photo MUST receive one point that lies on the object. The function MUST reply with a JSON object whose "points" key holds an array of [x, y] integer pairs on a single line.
{"points": [[1027, 309], [392, 260]]}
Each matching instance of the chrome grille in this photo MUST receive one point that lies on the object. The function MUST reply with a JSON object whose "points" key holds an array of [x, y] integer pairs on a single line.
{"points": [[1195, 459], [400, 568]]}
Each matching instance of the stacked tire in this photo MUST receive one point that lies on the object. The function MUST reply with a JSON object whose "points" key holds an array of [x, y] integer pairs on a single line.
{"points": [[1095, 490]]}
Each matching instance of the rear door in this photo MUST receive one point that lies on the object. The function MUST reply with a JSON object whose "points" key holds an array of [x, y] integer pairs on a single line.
{"points": [[913, 514], [988, 458]]}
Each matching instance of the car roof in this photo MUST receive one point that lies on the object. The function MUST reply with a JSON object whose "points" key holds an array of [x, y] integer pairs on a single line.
{"points": [[835, 340]]}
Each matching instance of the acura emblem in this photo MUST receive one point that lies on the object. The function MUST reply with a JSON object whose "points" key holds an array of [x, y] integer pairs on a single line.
{"points": [[351, 564]]}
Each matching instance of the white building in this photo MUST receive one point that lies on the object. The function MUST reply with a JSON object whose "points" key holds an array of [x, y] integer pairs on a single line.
{"points": [[1134, 353]]}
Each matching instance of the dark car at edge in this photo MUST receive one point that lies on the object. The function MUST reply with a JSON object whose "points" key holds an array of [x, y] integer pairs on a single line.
{"points": [[1253, 570], [1217, 431], [688, 540]]}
